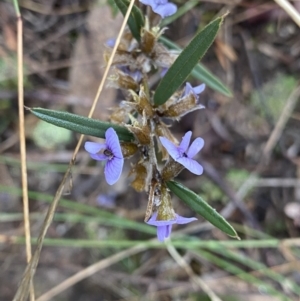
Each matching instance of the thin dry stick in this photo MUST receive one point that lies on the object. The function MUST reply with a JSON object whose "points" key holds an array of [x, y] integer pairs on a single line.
{"points": [[91, 270], [22, 292], [283, 119], [23, 142], [290, 10], [197, 280]]}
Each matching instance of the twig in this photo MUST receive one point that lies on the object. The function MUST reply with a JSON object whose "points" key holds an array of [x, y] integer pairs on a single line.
{"points": [[91, 270], [197, 280], [22, 292], [23, 141], [284, 117]]}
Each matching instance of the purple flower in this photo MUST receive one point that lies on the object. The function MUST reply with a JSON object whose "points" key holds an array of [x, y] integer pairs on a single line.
{"points": [[196, 90], [111, 153], [184, 154], [164, 228], [161, 7]]}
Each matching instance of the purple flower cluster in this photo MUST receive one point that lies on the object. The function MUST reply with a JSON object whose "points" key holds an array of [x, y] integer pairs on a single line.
{"points": [[111, 152], [161, 7]]}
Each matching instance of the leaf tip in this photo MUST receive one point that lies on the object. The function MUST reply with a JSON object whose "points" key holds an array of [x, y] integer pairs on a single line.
{"points": [[225, 15], [235, 236]]}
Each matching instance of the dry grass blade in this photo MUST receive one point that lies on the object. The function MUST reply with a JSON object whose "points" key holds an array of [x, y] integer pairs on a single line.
{"points": [[89, 271], [290, 10], [285, 115], [23, 290], [197, 280], [23, 143]]}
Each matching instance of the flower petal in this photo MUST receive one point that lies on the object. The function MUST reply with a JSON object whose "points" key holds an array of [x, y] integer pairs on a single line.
{"points": [[185, 142], [169, 230], [149, 2], [99, 157], [192, 165], [199, 89], [93, 147], [161, 233], [165, 10], [195, 147], [113, 143], [153, 222], [171, 148], [188, 89], [184, 220], [113, 170]]}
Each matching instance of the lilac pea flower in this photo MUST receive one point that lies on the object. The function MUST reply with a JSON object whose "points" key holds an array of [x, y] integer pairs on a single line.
{"points": [[161, 7], [164, 228], [111, 152], [184, 154], [195, 91]]}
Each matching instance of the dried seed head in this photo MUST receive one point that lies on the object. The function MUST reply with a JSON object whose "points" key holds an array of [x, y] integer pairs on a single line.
{"points": [[144, 106], [142, 133], [128, 149], [163, 57], [148, 40], [139, 183], [165, 210], [119, 115], [185, 105], [171, 170], [125, 81]]}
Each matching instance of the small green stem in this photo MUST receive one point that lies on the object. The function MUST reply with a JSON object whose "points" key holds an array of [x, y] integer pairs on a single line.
{"points": [[17, 8]]}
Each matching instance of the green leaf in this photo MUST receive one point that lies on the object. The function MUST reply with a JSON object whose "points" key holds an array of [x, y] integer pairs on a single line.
{"points": [[80, 124], [196, 203], [202, 73], [136, 19], [186, 61]]}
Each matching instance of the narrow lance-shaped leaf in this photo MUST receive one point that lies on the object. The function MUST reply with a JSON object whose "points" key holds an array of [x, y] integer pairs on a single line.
{"points": [[186, 61], [202, 73], [136, 19], [80, 124], [196, 203]]}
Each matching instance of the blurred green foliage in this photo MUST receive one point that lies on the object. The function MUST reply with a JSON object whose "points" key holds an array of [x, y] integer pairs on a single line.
{"points": [[48, 136], [271, 98]]}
